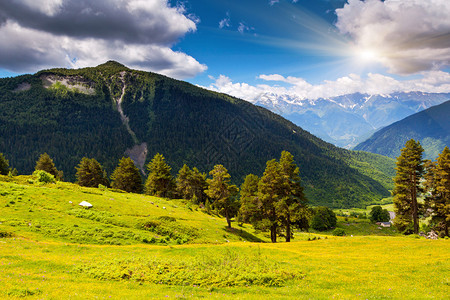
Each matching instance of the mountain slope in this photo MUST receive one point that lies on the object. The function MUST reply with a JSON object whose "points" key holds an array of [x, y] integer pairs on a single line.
{"points": [[110, 111], [431, 127], [349, 119]]}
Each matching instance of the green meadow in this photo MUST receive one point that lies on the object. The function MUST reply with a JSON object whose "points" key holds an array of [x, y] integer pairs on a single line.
{"points": [[133, 246]]}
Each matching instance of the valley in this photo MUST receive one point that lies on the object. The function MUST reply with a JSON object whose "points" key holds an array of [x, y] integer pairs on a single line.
{"points": [[52, 248]]}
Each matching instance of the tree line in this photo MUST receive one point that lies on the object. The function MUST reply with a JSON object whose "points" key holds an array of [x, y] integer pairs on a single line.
{"points": [[417, 178], [275, 202]]}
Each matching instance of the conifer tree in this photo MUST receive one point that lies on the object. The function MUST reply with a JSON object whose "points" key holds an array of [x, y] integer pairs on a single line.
{"points": [[222, 193], [182, 182], [159, 182], [437, 184], [268, 195], [198, 184], [46, 164], [407, 186], [127, 177], [249, 211], [292, 204], [191, 183], [4, 165], [90, 173]]}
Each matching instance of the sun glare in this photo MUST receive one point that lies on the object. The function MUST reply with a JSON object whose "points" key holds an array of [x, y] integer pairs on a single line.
{"points": [[366, 55]]}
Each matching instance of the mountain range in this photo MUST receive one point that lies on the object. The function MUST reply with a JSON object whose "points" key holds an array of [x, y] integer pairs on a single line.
{"points": [[349, 119], [431, 127], [109, 111]]}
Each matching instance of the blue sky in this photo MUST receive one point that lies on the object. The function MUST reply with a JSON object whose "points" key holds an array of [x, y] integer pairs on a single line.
{"points": [[301, 48]]}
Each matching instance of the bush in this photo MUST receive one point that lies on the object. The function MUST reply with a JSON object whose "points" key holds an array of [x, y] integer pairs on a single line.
{"points": [[378, 214], [44, 177], [339, 232], [323, 219]]}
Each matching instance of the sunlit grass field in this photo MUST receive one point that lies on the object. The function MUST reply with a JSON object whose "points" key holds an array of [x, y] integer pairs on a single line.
{"points": [[110, 255]]}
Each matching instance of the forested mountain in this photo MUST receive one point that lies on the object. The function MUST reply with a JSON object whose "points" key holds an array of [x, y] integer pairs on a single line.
{"points": [[349, 119], [430, 127], [110, 111]]}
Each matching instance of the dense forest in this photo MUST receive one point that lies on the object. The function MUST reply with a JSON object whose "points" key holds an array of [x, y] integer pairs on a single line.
{"points": [[190, 125]]}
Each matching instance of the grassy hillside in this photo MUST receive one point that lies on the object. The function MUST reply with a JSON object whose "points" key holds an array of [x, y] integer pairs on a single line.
{"points": [[430, 127], [51, 249], [79, 114], [52, 212]]}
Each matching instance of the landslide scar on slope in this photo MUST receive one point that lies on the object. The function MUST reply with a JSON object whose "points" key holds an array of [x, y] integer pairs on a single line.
{"points": [[138, 153]]}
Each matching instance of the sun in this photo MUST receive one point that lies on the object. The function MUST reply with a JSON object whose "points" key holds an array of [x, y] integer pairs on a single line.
{"points": [[366, 55]]}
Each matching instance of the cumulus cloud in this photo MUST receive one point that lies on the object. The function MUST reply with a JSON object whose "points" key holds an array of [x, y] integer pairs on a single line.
{"points": [[80, 33], [299, 89], [406, 36]]}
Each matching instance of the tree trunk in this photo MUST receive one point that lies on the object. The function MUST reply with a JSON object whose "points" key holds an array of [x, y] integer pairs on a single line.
{"points": [[273, 233], [288, 231], [415, 205], [228, 219]]}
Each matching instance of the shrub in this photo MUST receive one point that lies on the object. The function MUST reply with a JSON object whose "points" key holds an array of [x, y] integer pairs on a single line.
{"points": [[218, 270], [44, 177], [339, 232], [378, 214], [323, 218]]}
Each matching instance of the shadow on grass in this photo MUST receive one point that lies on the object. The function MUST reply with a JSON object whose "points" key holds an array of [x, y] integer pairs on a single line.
{"points": [[243, 234]]}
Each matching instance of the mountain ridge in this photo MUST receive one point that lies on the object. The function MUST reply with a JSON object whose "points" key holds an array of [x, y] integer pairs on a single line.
{"points": [[186, 123], [349, 119], [431, 127]]}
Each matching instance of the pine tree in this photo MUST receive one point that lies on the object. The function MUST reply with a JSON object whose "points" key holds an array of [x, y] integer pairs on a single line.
{"points": [[191, 183], [198, 184], [249, 211], [282, 203], [437, 184], [46, 164], [268, 196], [4, 165], [407, 186], [159, 182], [90, 173], [222, 193], [182, 182], [127, 177]]}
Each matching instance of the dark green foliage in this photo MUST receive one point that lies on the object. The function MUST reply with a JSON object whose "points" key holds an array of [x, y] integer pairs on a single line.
{"points": [[323, 218], [46, 164], [249, 211], [438, 187], [191, 184], [279, 202], [190, 125], [126, 177], [407, 186], [159, 181], [4, 165], [339, 232], [90, 173], [378, 214], [223, 194], [431, 127], [292, 205]]}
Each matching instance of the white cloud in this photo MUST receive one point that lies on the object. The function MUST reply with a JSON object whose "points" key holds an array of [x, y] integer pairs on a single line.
{"points": [[272, 2], [225, 22], [430, 81], [407, 36], [242, 27], [79, 33]]}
